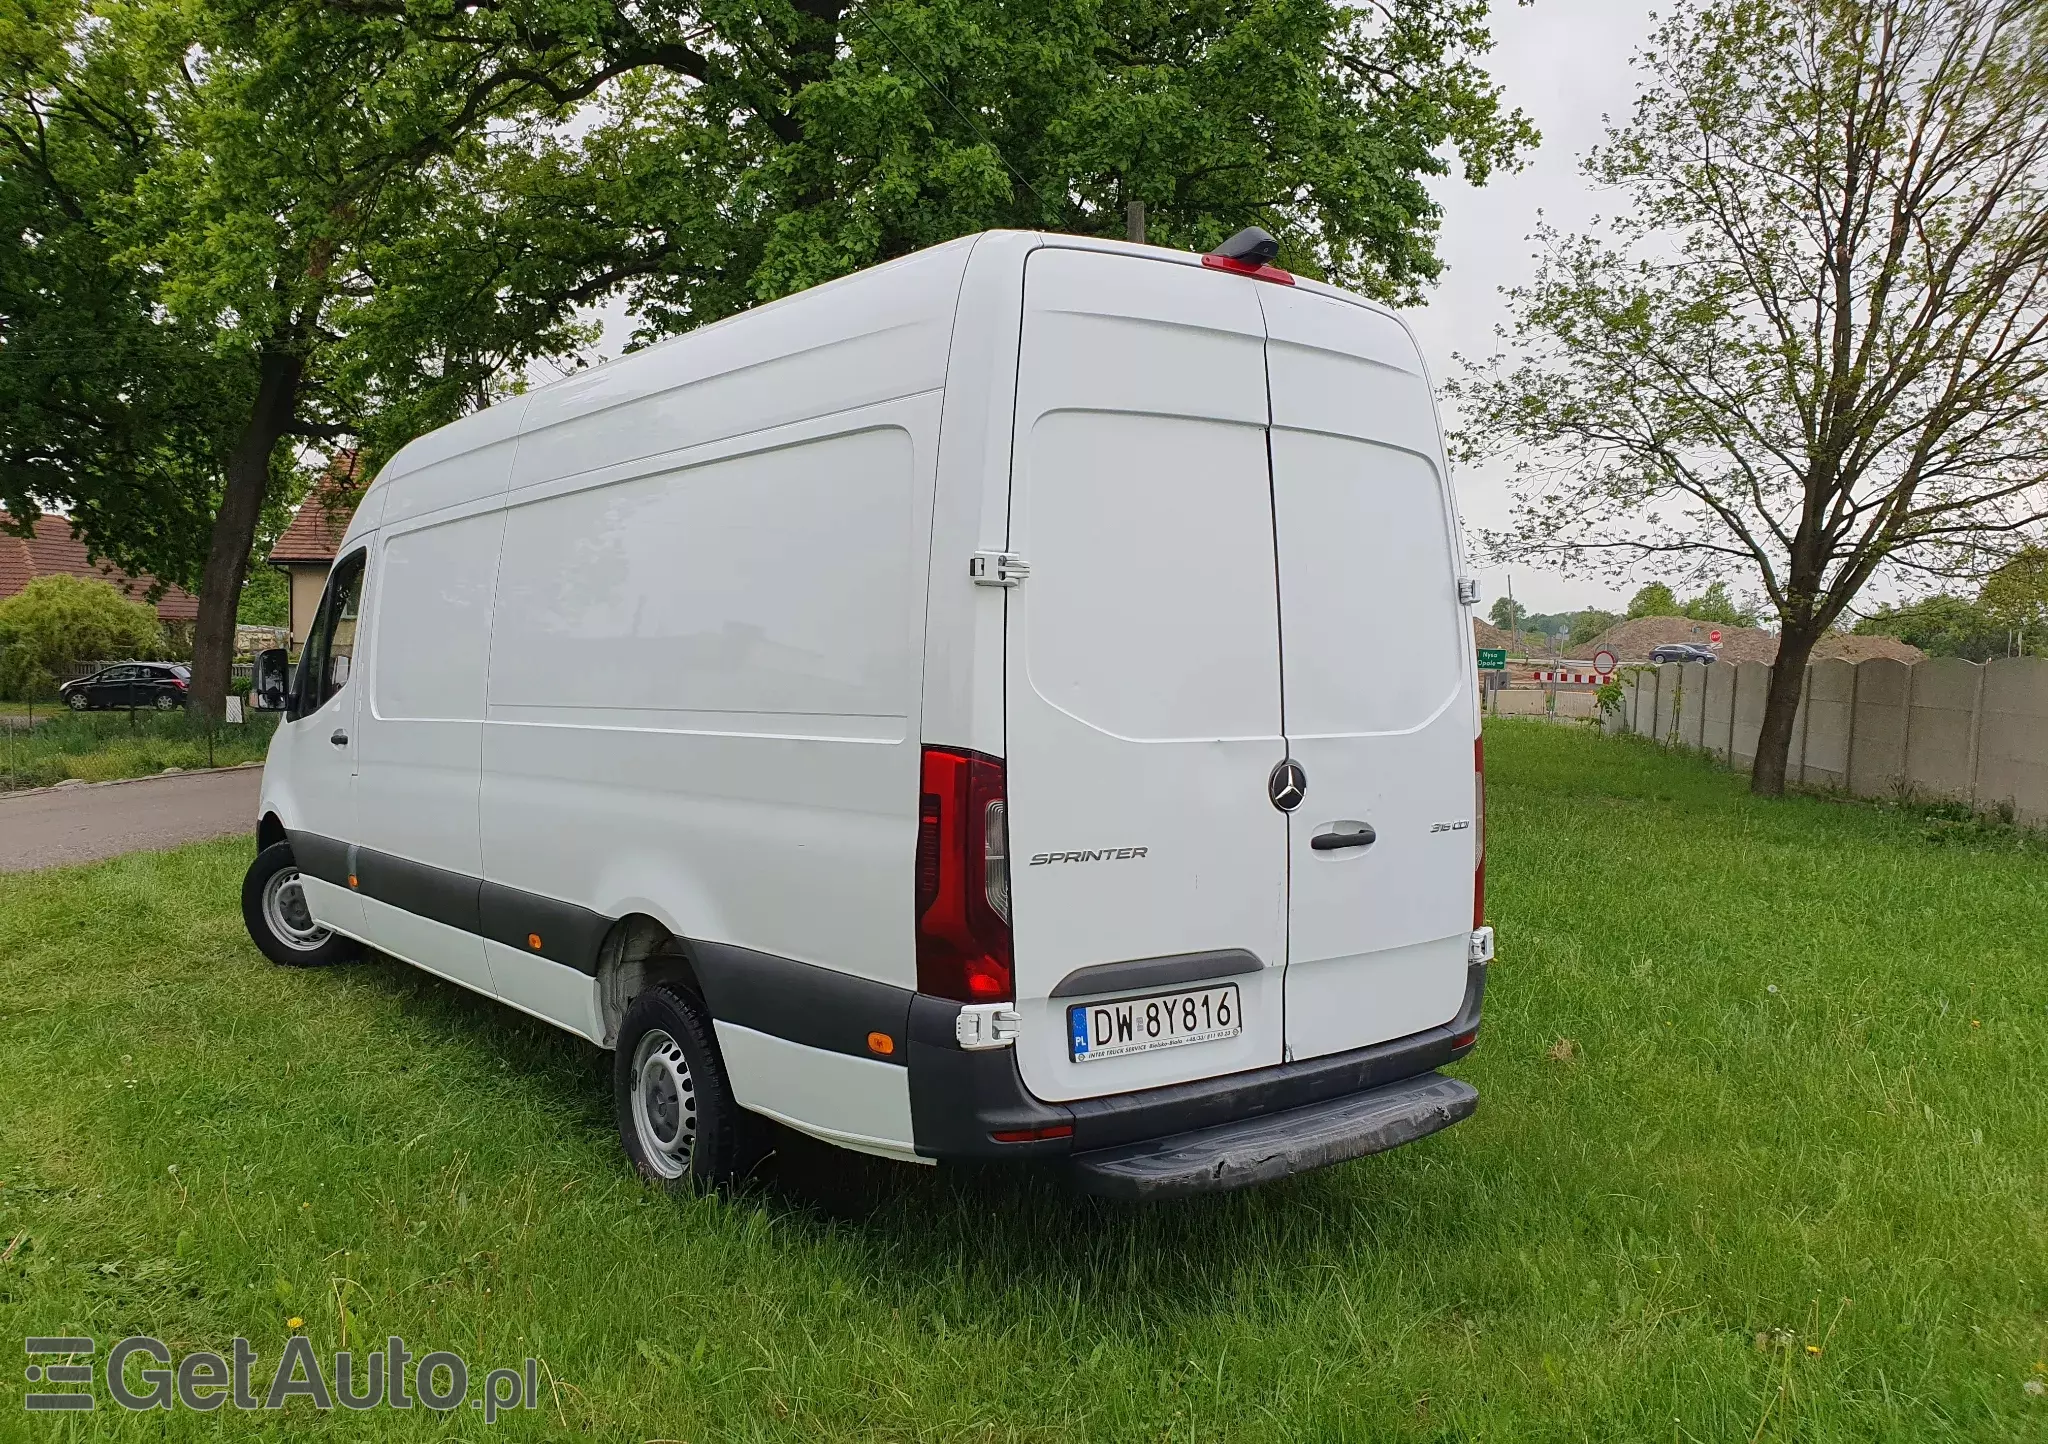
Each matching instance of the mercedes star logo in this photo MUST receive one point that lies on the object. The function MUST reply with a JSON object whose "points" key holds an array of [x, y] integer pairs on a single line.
{"points": [[1287, 786]]}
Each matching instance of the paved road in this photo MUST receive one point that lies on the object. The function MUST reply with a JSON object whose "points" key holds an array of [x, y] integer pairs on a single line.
{"points": [[79, 824]]}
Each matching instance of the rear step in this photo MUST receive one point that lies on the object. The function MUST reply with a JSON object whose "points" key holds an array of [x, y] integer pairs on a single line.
{"points": [[1258, 1150]]}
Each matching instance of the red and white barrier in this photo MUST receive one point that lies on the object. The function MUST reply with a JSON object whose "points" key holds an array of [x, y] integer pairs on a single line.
{"points": [[1581, 678]]}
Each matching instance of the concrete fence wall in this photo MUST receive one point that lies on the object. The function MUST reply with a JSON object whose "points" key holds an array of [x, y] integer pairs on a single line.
{"points": [[1943, 728]]}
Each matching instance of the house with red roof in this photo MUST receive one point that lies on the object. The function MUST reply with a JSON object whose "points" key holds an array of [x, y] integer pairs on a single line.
{"points": [[54, 551], [305, 551]]}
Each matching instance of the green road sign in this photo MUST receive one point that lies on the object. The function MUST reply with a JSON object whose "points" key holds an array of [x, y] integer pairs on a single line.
{"points": [[1493, 659]]}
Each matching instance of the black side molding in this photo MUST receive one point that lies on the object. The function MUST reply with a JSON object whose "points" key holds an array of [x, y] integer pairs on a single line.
{"points": [[1156, 972], [568, 934], [444, 897], [320, 857], [818, 1007]]}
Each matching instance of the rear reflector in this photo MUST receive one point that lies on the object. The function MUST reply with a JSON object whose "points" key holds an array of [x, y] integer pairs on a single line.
{"points": [[1034, 1135], [1466, 1039], [963, 887]]}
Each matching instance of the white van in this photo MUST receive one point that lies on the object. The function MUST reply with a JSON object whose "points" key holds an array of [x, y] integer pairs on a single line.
{"points": [[1015, 702]]}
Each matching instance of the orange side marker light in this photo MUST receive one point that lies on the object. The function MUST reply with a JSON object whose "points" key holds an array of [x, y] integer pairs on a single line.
{"points": [[881, 1043]]}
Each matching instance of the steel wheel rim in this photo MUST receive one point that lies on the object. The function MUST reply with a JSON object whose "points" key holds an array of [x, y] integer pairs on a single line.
{"points": [[285, 913], [664, 1104]]}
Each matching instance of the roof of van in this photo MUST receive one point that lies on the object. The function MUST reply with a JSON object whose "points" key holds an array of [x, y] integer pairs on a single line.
{"points": [[494, 423]]}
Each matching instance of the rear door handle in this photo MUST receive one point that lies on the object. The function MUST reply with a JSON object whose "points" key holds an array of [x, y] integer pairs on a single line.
{"points": [[1331, 841], [340, 738]]}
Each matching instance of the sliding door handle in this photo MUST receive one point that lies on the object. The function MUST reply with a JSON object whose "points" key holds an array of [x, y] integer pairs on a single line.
{"points": [[1331, 841], [340, 738]]}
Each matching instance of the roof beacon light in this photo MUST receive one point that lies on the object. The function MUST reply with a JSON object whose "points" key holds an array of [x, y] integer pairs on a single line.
{"points": [[1249, 253]]}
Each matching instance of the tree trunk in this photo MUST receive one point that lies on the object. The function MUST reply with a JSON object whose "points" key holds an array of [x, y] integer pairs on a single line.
{"points": [[1781, 705], [234, 530]]}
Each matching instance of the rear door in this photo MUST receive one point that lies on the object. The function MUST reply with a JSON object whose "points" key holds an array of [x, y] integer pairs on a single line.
{"points": [[1143, 666], [1377, 668]]}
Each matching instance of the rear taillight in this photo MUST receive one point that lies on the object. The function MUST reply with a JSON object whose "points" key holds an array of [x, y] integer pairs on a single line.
{"points": [[1479, 832], [963, 879], [179, 683]]}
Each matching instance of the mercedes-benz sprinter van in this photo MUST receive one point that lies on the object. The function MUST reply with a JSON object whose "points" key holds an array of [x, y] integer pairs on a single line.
{"points": [[1014, 702]]}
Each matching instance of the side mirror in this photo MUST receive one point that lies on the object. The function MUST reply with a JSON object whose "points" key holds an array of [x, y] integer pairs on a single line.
{"points": [[270, 679]]}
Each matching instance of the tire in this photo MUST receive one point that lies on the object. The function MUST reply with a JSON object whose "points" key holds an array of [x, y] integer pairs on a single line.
{"points": [[78, 701], [165, 702], [677, 1118], [274, 911]]}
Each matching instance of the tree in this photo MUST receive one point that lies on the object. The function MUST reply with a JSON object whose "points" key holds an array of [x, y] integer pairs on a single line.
{"points": [[368, 216], [1507, 613], [200, 195], [1588, 624], [55, 621], [1942, 625], [2017, 593], [1654, 600], [1814, 344], [1715, 605]]}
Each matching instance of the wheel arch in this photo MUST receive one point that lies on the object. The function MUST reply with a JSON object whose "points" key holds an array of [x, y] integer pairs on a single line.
{"points": [[270, 831], [639, 952]]}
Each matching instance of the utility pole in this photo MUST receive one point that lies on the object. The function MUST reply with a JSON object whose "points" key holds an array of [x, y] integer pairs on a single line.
{"points": [[1134, 222]]}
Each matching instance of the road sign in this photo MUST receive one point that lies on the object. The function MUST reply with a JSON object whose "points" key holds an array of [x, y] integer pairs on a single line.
{"points": [[1493, 659], [1715, 636], [1603, 662]]}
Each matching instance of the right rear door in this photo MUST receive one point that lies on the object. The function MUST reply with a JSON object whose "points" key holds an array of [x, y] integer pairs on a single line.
{"points": [[1377, 662], [1143, 663]]}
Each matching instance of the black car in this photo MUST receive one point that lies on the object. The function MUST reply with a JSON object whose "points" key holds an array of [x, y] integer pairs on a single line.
{"points": [[1682, 652], [158, 685]]}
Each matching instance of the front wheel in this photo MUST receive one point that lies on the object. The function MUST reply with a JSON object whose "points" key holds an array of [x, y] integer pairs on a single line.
{"points": [[677, 1118], [279, 922], [78, 701]]}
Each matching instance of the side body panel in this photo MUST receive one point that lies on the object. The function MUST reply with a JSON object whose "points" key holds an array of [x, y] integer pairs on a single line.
{"points": [[707, 655]]}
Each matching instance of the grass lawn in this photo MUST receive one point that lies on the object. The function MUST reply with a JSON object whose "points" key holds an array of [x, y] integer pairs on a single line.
{"points": [[1762, 1155], [101, 746]]}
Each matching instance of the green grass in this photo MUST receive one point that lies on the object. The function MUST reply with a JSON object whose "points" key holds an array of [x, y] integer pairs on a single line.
{"points": [[1801, 1109], [101, 746]]}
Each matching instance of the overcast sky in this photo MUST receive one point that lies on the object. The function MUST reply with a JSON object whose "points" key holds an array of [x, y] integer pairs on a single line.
{"points": [[1566, 63]]}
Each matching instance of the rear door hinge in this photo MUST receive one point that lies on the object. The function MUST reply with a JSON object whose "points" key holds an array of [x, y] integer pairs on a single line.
{"points": [[1468, 591], [997, 569]]}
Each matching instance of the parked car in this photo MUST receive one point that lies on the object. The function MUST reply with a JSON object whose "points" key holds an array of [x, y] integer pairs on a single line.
{"points": [[948, 712], [159, 685], [1682, 652]]}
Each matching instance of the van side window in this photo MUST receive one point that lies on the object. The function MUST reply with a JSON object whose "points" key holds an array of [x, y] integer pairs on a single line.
{"points": [[331, 643]]}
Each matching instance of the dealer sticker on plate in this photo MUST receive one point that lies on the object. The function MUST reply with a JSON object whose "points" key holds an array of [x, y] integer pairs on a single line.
{"points": [[1160, 1020]]}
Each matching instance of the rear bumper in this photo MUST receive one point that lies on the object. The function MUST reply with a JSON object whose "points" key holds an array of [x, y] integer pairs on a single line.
{"points": [[1259, 1150], [959, 1098]]}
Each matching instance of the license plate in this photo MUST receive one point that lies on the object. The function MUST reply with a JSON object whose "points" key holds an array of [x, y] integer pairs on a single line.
{"points": [[1160, 1020]]}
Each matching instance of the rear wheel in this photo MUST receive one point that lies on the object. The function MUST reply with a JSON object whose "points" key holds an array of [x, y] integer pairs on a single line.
{"points": [[279, 922], [676, 1114], [166, 702]]}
